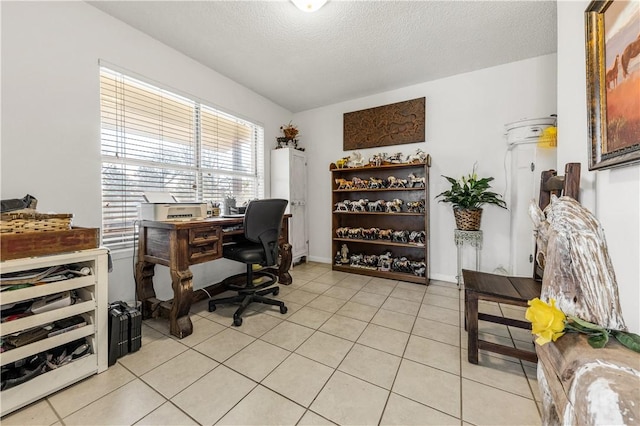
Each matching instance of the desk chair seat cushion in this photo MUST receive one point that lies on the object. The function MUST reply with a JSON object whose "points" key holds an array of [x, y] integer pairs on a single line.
{"points": [[245, 252]]}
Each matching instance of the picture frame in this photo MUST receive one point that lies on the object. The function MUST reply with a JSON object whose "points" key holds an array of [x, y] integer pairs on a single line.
{"points": [[613, 83]]}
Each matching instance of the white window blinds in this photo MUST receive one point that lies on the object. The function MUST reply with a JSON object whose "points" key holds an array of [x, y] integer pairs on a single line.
{"points": [[155, 140]]}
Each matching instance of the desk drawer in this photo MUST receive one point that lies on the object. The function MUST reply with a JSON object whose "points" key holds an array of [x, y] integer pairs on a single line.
{"points": [[204, 235], [205, 252]]}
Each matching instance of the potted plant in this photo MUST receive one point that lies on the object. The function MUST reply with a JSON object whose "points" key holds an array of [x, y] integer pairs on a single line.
{"points": [[290, 131], [467, 195]]}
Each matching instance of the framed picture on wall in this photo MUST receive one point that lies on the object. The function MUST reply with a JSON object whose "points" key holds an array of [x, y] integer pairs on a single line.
{"points": [[613, 82]]}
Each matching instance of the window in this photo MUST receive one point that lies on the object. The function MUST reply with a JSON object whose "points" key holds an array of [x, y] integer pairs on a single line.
{"points": [[155, 140]]}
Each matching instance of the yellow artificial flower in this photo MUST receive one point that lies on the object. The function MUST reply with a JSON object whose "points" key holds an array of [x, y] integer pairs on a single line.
{"points": [[547, 321], [548, 138]]}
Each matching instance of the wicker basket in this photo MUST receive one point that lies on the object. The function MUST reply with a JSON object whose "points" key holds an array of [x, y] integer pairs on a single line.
{"points": [[30, 221], [468, 220]]}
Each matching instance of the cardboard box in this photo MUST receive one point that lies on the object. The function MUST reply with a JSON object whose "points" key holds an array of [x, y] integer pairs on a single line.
{"points": [[32, 244]]}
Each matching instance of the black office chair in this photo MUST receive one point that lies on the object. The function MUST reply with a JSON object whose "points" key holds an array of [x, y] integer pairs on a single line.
{"points": [[262, 224]]}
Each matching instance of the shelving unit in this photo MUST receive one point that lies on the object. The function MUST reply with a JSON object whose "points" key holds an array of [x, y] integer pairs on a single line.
{"points": [[91, 305], [398, 221]]}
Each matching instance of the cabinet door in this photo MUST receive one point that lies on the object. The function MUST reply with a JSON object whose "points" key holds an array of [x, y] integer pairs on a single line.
{"points": [[298, 183], [298, 179], [527, 163], [298, 234]]}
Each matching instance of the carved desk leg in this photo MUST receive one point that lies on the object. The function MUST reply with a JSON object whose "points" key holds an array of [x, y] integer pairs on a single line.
{"points": [[144, 287], [285, 264], [180, 324]]}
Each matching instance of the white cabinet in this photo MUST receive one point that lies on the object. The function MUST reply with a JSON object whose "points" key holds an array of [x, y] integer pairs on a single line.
{"points": [[91, 304], [289, 181]]}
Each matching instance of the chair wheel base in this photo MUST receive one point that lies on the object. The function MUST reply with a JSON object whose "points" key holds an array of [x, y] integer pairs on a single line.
{"points": [[283, 309], [276, 291], [212, 307], [237, 322]]}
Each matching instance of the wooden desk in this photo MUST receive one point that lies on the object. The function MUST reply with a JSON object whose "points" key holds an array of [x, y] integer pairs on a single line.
{"points": [[179, 245]]}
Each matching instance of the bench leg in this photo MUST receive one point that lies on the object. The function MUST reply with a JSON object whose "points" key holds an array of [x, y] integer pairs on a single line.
{"points": [[471, 316]]}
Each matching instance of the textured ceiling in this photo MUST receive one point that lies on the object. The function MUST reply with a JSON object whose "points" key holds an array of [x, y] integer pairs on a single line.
{"points": [[347, 49]]}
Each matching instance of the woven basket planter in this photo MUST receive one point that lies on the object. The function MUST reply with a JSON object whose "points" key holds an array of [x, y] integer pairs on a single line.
{"points": [[28, 220], [468, 220]]}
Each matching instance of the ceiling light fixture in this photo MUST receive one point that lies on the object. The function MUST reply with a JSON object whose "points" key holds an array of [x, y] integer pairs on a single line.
{"points": [[309, 5]]}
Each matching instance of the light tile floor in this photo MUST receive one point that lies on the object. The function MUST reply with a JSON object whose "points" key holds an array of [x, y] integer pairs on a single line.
{"points": [[352, 350]]}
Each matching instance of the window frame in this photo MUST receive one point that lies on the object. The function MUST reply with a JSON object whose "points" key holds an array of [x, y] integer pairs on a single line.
{"points": [[240, 139]]}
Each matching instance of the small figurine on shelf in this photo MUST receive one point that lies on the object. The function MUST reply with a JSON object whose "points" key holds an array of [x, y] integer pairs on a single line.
{"points": [[375, 183], [356, 260], [344, 184], [419, 268], [370, 261], [417, 237], [342, 163], [417, 157], [344, 251], [401, 236], [395, 158], [356, 160], [401, 264], [360, 205], [416, 206], [384, 261], [385, 234], [378, 159], [360, 183], [342, 232], [415, 180], [394, 182], [338, 259], [394, 206], [343, 206]]}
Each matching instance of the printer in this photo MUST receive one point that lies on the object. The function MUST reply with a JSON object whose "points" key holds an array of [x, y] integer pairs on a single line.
{"points": [[163, 206]]}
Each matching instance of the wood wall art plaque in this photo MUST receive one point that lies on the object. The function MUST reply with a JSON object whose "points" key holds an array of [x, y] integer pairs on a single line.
{"points": [[393, 124]]}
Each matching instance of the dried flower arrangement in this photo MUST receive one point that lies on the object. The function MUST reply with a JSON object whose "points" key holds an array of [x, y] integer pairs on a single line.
{"points": [[290, 131]]}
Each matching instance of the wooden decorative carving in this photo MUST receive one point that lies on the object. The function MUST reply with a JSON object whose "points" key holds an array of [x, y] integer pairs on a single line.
{"points": [[393, 124], [581, 280]]}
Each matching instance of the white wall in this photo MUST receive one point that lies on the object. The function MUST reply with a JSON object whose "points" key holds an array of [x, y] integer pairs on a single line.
{"points": [[51, 120], [613, 195], [465, 117]]}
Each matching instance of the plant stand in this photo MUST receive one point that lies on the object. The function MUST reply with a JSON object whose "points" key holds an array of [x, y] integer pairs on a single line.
{"points": [[472, 237]]}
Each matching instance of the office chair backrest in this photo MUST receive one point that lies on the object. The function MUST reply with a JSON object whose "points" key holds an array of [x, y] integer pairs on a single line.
{"points": [[262, 224]]}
